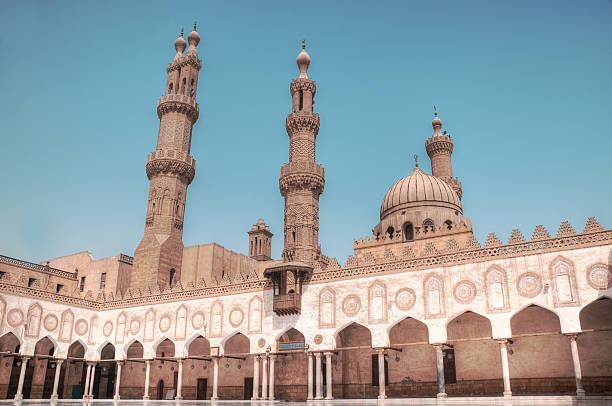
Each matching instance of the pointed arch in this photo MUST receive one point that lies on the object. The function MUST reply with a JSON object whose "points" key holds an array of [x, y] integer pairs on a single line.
{"points": [[469, 325], [180, 330], [255, 314], [66, 326], [77, 349], [327, 308], [350, 332], [102, 347], [377, 302], [33, 320], [164, 347], [197, 345], [535, 319], [133, 349], [236, 343], [563, 279], [496, 283], [408, 330], [120, 332], [10, 342], [45, 346]]}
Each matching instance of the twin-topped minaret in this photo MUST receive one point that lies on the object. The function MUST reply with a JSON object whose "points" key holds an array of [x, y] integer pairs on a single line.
{"points": [[302, 179], [170, 169]]}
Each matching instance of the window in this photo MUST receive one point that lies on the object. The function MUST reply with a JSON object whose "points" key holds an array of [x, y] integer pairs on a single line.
{"points": [[170, 88], [82, 284], [103, 280], [449, 224], [375, 370], [172, 277], [408, 232], [58, 288], [31, 282], [390, 232], [301, 100], [428, 225], [2, 273]]}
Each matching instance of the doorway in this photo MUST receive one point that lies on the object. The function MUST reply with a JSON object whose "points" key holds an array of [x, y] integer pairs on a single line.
{"points": [[248, 388], [160, 389], [201, 388], [450, 374]]}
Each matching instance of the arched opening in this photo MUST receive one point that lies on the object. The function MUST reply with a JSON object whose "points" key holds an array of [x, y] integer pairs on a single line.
{"points": [[42, 372], [196, 382], [428, 225], [390, 231], [133, 374], [448, 224], [10, 366], [595, 346], [170, 88], [160, 389], [184, 86], [164, 368], [291, 371], [472, 366], [104, 382], [353, 371], [540, 360], [74, 369], [172, 277], [236, 369], [191, 87], [301, 100], [412, 372], [408, 232]]}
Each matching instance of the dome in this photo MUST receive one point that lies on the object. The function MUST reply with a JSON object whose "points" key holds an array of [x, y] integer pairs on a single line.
{"points": [[419, 189], [180, 44]]}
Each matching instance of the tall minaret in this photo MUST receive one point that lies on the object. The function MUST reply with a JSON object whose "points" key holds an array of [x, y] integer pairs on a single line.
{"points": [[170, 169], [440, 148], [302, 179]]}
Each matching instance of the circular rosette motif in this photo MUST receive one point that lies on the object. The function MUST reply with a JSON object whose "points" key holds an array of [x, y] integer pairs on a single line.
{"points": [[599, 277], [261, 342], [50, 322], [405, 299], [108, 328], [81, 327], [318, 339], [351, 305], [14, 317], [236, 317], [164, 324], [197, 320], [529, 284], [465, 292], [134, 327]]}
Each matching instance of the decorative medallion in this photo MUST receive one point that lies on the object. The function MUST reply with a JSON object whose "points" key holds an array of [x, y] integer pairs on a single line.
{"points": [[351, 305], [236, 317], [599, 277], [164, 324], [50, 322], [81, 327], [465, 292], [318, 339], [134, 327], [529, 284], [405, 299], [14, 317], [261, 342], [197, 320], [108, 328]]}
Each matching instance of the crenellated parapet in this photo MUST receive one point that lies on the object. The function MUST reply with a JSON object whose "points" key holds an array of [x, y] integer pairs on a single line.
{"points": [[439, 144]]}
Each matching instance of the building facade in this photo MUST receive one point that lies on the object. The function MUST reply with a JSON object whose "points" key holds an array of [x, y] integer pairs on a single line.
{"points": [[420, 309]]}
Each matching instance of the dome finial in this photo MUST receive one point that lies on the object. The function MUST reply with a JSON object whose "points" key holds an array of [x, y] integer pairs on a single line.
{"points": [[416, 161], [194, 39], [303, 60], [182, 32], [436, 123], [435, 111], [195, 25], [180, 45], [304, 43]]}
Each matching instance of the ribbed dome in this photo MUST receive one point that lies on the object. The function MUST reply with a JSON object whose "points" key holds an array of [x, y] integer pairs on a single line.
{"points": [[419, 189]]}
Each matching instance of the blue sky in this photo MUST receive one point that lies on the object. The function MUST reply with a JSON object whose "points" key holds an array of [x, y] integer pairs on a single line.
{"points": [[524, 88]]}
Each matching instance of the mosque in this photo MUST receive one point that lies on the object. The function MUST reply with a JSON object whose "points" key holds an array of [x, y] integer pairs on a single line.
{"points": [[421, 309]]}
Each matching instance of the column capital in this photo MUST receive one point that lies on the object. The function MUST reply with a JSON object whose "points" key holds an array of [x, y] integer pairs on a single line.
{"points": [[25, 357], [272, 356], [503, 341], [318, 355], [572, 336], [59, 361], [120, 361]]}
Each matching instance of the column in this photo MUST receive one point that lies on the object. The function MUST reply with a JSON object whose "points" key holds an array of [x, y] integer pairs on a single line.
{"points": [[264, 378], [440, 368], [271, 389], [87, 378], [328, 378], [577, 370], [92, 377], [179, 381], [255, 377], [147, 376], [503, 348], [118, 380], [58, 371], [318, 376], [215, 361], [24, 365], [382, 394], [310, 368]]}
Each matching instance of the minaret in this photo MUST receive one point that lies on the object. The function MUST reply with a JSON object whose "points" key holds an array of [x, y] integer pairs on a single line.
{"points": [[170, 169], [260, 241], [302, 179], [440, 148]]}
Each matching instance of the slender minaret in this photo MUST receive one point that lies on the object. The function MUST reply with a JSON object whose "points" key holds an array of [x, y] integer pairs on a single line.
{"points": [[260, 241], [302, 179], [170, 169], [440, 148]]}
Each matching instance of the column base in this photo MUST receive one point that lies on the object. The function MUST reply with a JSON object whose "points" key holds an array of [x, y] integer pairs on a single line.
{"points": [[382, 397], [116, 397], [54, 397], [270, 397], [580, 393], [18, 397], [215, 398], [254, 398], [318, 398], [145, 398], [507, 395], [329, 398], [441, 396], [178, 398]]}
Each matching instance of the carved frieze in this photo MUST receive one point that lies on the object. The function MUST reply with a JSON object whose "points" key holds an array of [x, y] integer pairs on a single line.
{"points": [[34, 320], [255, 314], [81, 327], [351, 305], [108, 328], [497, 290], [327, 308], [599, 277], [14, 317], [197, 320], [529, 284], [405, 299], [183, 169], [180, 330], [236, 316], [377, 303], [134, 326], [164, 323], [464, 292], [50, 322], [433, 296], [564, 283]]}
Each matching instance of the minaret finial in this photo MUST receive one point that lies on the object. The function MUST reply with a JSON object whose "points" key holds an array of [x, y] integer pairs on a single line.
{"points": [[195, 25], [416, 161], [304, 43], [182, 32], [435, 111]]}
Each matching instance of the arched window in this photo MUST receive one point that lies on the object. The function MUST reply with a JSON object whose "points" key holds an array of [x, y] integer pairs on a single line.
{"points": [[428, 225], [301, 100], [192, 87], [184, 86], [408, 231], [390, 232], [170, 88], [449, 224], [172, 277]]}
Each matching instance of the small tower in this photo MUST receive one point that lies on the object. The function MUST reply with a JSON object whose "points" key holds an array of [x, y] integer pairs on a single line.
{"points": [[260, 241], [440, 148], [170, 169]]}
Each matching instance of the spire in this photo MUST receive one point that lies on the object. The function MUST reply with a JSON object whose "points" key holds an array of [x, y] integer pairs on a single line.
{"points": [[303, 61], [194, 40], [180, 45], [416, 161], [436, 123]]}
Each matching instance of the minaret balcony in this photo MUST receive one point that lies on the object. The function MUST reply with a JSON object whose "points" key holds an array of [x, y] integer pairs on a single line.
{"points": [[170, 161], [290, 303], [180, 103], [302, 167]]}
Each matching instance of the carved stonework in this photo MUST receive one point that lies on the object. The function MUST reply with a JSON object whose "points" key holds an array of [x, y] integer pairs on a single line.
{"points": [[599, 277], [164, 323], [66, 326], [93, 330], [121, 328], [134, 326], [14, 317], [465, 292], [377, 303], [81, 327], [180, 330], [405, 299], [318, 339], [564, 283], [108, 328], [216, 320], [497, 290], [433, 296], [34, 320], [149, 328], [197, 320], [351, 305], [236, 316], [255, 314], [529, 284], [50, 322], [327, 308], [261, 343], [2, 311]]}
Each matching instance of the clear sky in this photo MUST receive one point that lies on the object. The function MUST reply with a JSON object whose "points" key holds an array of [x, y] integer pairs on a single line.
{"points": [[524, 88]]}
